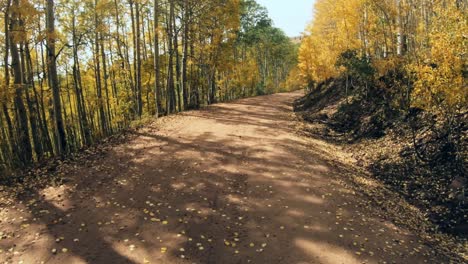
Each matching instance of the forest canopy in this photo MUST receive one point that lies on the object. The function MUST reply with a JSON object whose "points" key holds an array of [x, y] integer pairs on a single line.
{"points": [[75, 72], [424, 40]]}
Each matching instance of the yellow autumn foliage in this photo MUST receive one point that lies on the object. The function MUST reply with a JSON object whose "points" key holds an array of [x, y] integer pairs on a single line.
{"points": [[427, 39], [439, 70]]}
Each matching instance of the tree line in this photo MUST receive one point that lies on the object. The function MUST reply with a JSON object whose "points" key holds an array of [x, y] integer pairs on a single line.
{"points": [[75, 72], [425, 40], [408, 56]]}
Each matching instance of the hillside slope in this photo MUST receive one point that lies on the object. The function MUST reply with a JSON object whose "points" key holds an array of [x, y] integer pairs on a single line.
{"points": [[399, 150]]}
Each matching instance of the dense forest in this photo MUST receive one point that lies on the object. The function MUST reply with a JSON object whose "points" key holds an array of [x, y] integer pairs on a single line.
{"points": [[404, 59], [75, 72], [422, 42]]}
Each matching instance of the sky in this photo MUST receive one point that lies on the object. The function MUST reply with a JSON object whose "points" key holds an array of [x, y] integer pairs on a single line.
{"points": [[292, 16]]}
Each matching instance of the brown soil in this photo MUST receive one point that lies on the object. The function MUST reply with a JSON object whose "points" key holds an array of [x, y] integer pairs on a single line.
{"points": [[233, 183]]}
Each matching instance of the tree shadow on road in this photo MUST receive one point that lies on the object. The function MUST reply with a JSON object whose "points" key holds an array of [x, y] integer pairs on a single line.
{"points": [[177, 197]]}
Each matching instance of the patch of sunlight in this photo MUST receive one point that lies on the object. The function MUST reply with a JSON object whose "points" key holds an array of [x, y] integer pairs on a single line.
{"points": [[40, 252], [325, 252], [178, 186], [366, 182], [315, 228], [131, 251], [285, 183], [56, 196], [155, 188], [198, 209], [310, 199], [234, 199], [295, 213], [136, 249], [321, 168]]}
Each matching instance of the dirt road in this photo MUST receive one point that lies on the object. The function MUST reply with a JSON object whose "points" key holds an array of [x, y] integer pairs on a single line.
{"points": [[230, 184]]}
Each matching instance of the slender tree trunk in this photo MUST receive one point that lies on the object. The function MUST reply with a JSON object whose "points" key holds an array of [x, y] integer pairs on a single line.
{"points": [[61, 143], [134, 40], [185, 89], [194, 91], [170, 68], [177, 62], [106, 86], [24, 144], [138, 60], [42, 76], [212, 86], [32, 106], [43, 132], [399, 35], [9, 131], [83, 120], [157, 86], [102, 115]]}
